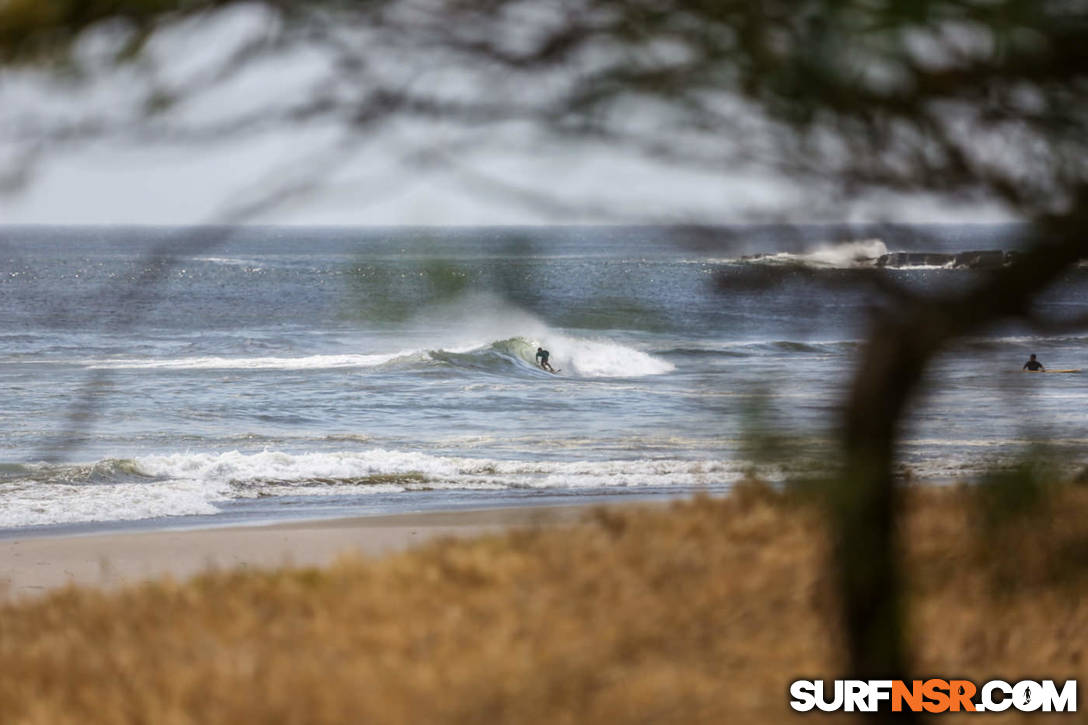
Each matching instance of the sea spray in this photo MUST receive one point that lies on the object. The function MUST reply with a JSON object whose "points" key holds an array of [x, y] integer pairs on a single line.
{"points": [[602, 358], [580, 357], [837, 255]]}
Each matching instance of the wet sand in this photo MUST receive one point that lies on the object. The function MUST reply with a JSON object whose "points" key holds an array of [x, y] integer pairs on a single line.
{"points": [[34, 565]]}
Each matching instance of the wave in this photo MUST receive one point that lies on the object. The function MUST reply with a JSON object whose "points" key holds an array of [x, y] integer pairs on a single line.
{"points": [[109, 470], [308, 362], [580, 357], [873, 253], [839, 255], [108, 490], [407, 470], [575, 356], [254, 265], [478, 331], [197, 483]]}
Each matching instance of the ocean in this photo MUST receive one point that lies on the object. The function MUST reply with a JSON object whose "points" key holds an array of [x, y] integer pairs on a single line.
{"points": [[191, 377]]}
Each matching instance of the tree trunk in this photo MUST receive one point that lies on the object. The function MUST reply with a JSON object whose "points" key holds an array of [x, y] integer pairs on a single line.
{"points": [[863, 500]]}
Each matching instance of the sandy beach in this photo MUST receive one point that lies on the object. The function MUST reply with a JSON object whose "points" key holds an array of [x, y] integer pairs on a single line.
{"points": [[702, 611], [37, 564]]}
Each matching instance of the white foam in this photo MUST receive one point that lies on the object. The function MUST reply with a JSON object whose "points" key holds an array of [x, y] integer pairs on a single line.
{"points": [[309, 362], [256, 265], [38, 504], [579, 357], [193, 483], [840, 255], [601, 358], [472, 323], [478, 319], [220, 472]]}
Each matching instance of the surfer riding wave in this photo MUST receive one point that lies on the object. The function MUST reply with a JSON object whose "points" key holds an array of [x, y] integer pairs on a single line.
{"points": [[542, 356]]}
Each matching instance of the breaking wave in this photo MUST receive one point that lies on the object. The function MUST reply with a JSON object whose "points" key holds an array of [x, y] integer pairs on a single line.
{"points": [[841, 255], [194, 483], [476, 332], [308, 362], [577, 357], [572, 356]]}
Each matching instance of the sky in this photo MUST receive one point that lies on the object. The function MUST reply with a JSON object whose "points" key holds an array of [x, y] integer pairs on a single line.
{"points": [[113, 185], [107, 186], [129, 184], [411, 173]]}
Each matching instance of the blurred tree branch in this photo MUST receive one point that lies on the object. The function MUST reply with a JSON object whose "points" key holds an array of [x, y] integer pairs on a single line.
{"points": [[959, 98]]}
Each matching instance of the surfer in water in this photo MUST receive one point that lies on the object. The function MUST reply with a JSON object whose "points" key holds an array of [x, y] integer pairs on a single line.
{"points": [[542, 356], [1033, 365]]}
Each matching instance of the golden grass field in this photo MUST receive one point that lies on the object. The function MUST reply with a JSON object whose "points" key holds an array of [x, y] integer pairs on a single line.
{"points": [[701, 612]]}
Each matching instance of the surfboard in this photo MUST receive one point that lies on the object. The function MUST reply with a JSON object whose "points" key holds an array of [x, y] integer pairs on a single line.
{"points": [[1053, 371]]}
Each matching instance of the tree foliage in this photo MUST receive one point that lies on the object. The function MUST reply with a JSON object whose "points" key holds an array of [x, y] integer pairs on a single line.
{"points": [[961, 99]]}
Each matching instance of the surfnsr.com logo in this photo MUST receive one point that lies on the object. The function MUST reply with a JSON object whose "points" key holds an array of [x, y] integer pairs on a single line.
{"points": [[933, 695]]}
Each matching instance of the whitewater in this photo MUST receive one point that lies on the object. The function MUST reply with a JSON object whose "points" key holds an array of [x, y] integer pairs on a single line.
{"points": [[582, 358], [294, 373]]}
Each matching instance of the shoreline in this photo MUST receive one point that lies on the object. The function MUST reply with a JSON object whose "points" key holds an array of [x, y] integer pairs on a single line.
{"points": [[37, 564], [244, 514]]}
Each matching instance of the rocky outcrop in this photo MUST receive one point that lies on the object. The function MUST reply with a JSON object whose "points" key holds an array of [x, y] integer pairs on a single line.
{"points": [[914, 259], [981, 260], [986, 259]]}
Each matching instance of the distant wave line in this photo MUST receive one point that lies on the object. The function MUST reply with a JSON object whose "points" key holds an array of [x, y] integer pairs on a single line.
{"points": [[252, 363]]}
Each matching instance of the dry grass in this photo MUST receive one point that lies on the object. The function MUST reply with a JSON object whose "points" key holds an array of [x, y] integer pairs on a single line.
{"points": [[700, 613]]}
